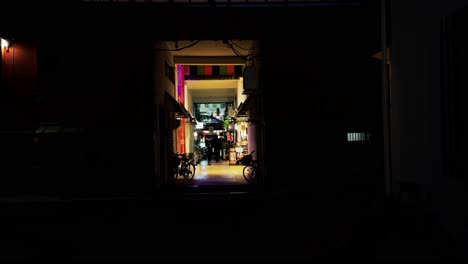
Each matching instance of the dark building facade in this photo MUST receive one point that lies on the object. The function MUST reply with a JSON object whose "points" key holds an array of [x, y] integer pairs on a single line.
{"points": [[80, 114], [95, 77]]}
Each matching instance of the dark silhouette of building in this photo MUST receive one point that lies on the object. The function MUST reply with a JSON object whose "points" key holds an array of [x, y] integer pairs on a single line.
{"points": [[360, 157]]}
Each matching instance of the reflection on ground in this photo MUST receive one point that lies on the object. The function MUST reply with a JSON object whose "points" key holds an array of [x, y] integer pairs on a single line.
{"points": [[218, 173]]}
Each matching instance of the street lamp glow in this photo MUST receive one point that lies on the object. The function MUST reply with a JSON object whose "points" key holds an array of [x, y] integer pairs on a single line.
{"points": [[4, 43]]}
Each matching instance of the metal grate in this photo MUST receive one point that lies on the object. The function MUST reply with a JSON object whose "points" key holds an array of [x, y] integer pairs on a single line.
{"points": [[359, 136]]}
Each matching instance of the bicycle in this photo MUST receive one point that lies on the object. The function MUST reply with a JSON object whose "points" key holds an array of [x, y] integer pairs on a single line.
{"points": [[250, 172], [183, 167], [199, 154], [250, 169]]}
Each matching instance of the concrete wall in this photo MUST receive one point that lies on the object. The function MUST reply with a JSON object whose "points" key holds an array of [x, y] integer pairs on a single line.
{"points": [[105, 90], [19, 115], [417, 110], [319, 84], [19, 72], [163, 136]]}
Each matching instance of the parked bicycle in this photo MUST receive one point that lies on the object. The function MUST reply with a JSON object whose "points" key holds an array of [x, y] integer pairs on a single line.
{"points": [[250, 169], [199, 154], [183, 166]]}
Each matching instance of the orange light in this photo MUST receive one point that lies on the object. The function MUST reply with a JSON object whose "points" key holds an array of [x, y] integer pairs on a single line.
{"points": [[5, 44]]}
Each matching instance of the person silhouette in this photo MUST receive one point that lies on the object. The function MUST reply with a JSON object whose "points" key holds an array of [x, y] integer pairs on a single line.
{"points": [[218, 115], [209, 148], [217, 147]]}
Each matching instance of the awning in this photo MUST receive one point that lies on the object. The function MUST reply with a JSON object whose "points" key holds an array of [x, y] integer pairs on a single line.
{"points": [[213, 126], [177, 107], [241, 111]]}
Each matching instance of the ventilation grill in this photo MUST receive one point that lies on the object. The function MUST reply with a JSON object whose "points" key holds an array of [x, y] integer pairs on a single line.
{"points": [[360, 136]]}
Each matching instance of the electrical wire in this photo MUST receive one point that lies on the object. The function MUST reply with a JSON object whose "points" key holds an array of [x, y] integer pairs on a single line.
{"points": [[237, 45], [246, 58], [229, 43]]}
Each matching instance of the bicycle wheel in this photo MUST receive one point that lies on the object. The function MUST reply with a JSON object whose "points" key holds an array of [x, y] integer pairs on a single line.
{"points": [[189, 171], [175, 174], [249, 173]]}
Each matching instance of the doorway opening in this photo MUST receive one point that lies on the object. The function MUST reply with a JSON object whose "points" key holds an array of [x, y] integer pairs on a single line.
{"points": [[215, 82]]}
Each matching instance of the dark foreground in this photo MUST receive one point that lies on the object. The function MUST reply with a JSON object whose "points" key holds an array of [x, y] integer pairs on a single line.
{"points": [[221, 227]]}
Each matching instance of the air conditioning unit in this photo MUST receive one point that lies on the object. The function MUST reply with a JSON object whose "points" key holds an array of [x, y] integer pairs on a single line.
{"points": [[250, 78]]}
